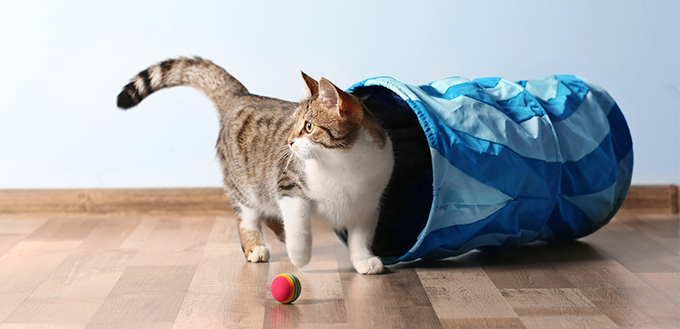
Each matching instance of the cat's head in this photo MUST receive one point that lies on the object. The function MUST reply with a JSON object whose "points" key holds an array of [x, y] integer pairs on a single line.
{"points": [[330, 119]]}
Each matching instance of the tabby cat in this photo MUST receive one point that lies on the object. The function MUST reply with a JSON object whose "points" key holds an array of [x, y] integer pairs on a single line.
{"points": [[283, 161]]}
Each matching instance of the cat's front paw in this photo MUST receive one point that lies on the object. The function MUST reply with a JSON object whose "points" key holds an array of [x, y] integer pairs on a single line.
{"points": [[299, 259], [258, 254], [372, 265]]}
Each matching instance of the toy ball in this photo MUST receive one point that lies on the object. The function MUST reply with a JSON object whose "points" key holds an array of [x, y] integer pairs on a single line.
{"points": [[286, 288]]}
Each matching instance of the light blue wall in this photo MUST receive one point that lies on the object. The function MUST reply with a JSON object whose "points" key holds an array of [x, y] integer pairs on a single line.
{"points": [[62, 63]]}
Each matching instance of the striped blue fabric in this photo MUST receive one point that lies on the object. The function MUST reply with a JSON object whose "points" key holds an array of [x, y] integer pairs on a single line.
{"points": [[516, 162]]}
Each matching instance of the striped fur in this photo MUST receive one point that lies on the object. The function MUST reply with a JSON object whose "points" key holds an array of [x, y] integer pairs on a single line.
{"points": [[195, 72]]}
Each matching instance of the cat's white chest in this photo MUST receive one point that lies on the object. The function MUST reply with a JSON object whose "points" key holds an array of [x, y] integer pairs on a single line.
{"points": [[348, 184]]}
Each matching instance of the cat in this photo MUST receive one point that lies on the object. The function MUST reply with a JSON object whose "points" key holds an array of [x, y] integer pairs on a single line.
{"points": [[282, 161]]}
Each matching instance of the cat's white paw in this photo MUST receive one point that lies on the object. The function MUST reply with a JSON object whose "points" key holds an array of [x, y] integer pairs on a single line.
{"points": [[372, 265], [300, 259], [259, 254]]}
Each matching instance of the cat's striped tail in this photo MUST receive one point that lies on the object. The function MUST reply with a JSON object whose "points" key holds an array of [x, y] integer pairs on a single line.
{"points": [[196, 72]]}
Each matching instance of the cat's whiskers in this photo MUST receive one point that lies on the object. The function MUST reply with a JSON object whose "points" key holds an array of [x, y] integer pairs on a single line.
{"points": [[289, 159], [283, 157], [289, 155], [276, 151], [315, 153], [344, 145]]}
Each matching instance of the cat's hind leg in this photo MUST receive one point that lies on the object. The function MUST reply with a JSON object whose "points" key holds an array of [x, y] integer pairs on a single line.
{"points": [[277, 227], [250, 233]]}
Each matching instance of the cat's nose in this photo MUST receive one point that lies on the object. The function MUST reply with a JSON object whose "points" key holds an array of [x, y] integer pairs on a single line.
{"points": [[290, 143]]}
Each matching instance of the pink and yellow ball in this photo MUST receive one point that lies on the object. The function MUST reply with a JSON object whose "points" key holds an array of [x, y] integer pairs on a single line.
{"points": [[286, 288]]}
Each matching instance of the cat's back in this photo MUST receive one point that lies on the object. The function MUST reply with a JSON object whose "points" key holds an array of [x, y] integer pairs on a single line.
{"points": [[257, 119], [252, 147]]}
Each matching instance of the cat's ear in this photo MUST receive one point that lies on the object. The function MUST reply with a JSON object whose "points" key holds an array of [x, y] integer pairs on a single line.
{"points": [[312, 85], [339, 100], [329, 93]]}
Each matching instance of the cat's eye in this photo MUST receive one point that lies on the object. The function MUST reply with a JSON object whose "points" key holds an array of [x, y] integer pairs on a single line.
{"points": [[309, 127]]}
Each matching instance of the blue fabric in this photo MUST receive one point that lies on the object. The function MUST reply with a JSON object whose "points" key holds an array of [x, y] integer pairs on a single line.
{"points": [[516, 162]]}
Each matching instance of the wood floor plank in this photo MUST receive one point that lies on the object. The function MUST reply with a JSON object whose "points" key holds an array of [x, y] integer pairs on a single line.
{"points": [[9, 302], [223, 231], [556, 308], [218, 267], [110, 233], [146, 294], [526, 301], [26, 266], [476, 323], [666, 284], [217, 310], [148, 257], [85, 274], [523, 268], [664, 229], [230, 305], [179, 233], [634, 306], [599, 273], [173, 242], [64, 229], [569, 322], [38, 326], [138, 238], [145, 307], [138, 279], [22, 226], [585, 264], [489, 323], [67, 311], [224, 291], [9, 241], [465, 285], [653, 225], [132, 325], [636, 252]]}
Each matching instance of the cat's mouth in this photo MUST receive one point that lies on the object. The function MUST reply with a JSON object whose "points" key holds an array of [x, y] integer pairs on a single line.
{"points": [[301, 149], [302, 153]]}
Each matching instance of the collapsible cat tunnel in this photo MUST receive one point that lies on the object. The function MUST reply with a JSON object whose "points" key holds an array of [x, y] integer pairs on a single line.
{"points": [[490, 163]]}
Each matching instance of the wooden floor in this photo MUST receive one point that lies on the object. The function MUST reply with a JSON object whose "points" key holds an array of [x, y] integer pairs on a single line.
{"points": [[187, 271]]}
